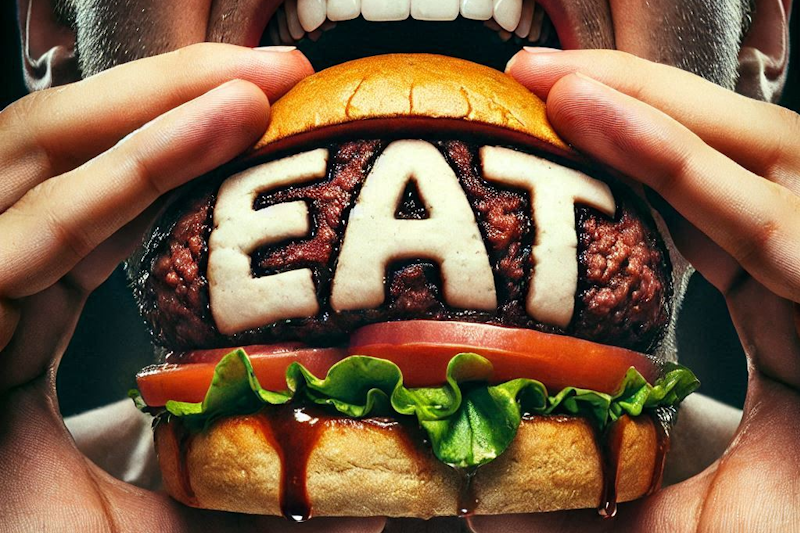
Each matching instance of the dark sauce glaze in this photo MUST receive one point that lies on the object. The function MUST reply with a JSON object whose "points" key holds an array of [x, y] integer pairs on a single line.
{"points": [[183, 441], [467, 496], [293, 433], [661, 425], [610, 443]]}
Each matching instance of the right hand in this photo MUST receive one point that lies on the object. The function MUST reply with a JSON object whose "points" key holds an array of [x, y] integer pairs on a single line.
{"points": [[81, 168]]}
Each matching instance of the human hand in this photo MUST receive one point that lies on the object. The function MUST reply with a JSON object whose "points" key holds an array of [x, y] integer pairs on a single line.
{"points": [[729, 169], [82, 168]]}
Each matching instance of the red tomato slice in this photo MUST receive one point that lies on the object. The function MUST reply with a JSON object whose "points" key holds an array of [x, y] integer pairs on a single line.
{"points": [[189, 382], [422, 349]]}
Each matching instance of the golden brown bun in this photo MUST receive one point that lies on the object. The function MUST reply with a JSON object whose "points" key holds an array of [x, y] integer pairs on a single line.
{"points": [[359, 468], [398, 93]]}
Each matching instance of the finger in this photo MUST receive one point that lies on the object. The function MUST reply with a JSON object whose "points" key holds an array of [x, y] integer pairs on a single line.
{"points": [[754, 311], [754, 220], [54, 131], [60, 221], [761, 137], [673, 509], [46, 480], [96, 267], [9, 318], [41, 337], [717, 266]]}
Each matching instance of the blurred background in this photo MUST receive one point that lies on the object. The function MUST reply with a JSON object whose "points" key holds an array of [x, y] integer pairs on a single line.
{"points": [[111, 343]]}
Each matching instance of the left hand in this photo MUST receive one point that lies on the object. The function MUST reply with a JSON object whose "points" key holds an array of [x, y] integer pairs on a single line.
{"points": [[729, 168]]}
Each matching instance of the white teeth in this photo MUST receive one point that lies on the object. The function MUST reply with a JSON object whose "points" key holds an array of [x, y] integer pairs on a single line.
{"points": [[343, 9], [507, 13], [492, 25], [274, 35], [327, 25], [298, 19], [536, 25], [476, 9], [544, 34], [283, 27], [311, 13], [385, 10], [293, 20], [434, 9], [526, 19]]}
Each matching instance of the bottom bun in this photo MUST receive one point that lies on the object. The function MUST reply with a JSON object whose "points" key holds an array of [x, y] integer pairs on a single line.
{"points": [[298, 464]]}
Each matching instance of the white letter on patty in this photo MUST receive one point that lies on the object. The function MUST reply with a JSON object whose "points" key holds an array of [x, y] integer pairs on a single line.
{"points": [[238, 300], [449, 235], [554, 192]]}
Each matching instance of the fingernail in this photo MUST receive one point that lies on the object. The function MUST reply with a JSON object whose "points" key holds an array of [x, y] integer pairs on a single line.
{"points": [[511, 62], [275, 49], [540, 49]]}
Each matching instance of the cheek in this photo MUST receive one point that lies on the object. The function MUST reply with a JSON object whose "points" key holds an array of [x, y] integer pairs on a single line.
{"points": [[110, 33], [701, 36]]}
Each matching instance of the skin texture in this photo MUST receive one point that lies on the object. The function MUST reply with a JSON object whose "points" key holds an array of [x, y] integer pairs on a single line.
{"points": [[82, 168]]}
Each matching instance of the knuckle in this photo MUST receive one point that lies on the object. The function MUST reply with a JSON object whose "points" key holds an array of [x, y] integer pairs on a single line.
{"points": [[770, 247], [73, 237], [753, 248], [676, 165], [30, 104], [785, 146], [19, 126], [145, 177]]}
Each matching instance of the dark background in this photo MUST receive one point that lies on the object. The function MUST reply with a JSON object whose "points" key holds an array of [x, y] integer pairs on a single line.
{"points": [[111, 343]]}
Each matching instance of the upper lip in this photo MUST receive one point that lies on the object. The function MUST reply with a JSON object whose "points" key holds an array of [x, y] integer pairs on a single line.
{"points": [[579, 24]]}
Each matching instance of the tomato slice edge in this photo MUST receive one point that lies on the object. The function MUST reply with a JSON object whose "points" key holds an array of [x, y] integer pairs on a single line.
{"points": [[422, 349]]}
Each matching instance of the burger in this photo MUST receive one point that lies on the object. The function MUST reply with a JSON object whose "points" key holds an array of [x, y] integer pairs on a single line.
{"points": [[410, 299]]}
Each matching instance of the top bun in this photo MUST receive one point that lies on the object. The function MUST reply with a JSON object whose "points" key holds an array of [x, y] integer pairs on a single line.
{"points": [[400, 93]]}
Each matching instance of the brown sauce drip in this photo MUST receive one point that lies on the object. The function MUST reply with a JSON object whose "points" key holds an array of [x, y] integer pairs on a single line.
{"points": [[183, 441], [467, 497], [662, 447], [294, 433], [610, 444]]}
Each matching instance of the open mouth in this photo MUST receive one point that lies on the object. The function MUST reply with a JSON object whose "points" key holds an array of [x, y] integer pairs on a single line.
{"points": [[475, 30]]}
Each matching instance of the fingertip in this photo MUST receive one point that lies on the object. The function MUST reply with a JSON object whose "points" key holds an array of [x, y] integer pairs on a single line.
{"points": [[278, 69], [202, 134], [241, 110], [576, 99], [537, 69], [595, 118]]}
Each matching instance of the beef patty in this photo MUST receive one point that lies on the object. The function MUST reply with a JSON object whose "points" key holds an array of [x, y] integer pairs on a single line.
{"points": [[624, 280]]}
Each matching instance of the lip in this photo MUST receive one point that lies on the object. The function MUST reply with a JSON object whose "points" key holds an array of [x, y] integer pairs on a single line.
{"points": [[579, 24]]}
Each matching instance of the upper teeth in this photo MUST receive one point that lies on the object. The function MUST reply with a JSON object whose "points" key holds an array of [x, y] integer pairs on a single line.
{"points": [[385, 10], [434, 9], [507, 13], [311, 12], [343, 9], [298, 17]]}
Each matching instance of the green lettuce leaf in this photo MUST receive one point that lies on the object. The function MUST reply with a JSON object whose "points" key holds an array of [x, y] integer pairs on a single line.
{"points": [[234, 390], [468, 421], [485, 423]]}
